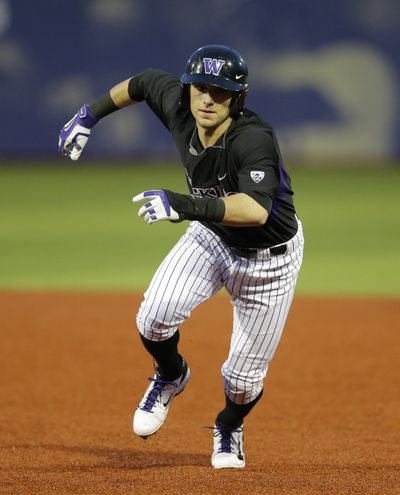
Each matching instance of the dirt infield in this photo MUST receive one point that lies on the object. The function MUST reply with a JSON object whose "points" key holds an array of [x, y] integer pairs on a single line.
{"points": [[72, 370]]}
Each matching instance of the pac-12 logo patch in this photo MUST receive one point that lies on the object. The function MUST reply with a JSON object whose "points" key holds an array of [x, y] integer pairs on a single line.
{"points": [[213, 65], [257, 175]]}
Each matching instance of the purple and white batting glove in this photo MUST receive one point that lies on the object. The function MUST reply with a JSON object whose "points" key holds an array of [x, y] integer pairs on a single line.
{"points": [[74, 135], [156, 208]]}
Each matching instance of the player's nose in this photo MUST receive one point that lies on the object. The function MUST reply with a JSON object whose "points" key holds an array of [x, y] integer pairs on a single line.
{"points": [[207, 98]]}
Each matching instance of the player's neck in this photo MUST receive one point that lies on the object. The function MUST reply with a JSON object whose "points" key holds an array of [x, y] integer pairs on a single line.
{"points": [[209, 135]]}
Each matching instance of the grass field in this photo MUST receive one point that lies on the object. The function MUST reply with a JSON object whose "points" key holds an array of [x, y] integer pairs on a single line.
{"points": [[74, 227]]}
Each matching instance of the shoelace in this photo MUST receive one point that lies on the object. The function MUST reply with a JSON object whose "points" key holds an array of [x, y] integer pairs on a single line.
{"points": [[155, 393], [226, 437]]}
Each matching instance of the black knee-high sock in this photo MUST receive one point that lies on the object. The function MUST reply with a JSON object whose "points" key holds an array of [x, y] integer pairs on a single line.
{"points": [[233, 414], [166, 354]]}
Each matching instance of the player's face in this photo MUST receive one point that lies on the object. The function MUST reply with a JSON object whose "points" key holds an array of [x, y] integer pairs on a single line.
{"points": [[209, 105]]}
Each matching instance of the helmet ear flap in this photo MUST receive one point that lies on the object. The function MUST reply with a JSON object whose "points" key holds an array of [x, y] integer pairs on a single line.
{"points": [[184, 99], [237, 104]]}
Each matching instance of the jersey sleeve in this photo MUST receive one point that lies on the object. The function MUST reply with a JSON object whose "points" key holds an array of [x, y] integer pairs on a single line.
{"points": [[257, 160], [160, 90]]}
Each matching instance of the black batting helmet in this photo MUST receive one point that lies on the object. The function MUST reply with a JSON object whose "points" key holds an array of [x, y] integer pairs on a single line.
{"points": [[220, 66]]}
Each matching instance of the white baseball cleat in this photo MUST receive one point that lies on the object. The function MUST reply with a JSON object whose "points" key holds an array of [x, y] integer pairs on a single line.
{"points": [[228, 448], [152, 410]]}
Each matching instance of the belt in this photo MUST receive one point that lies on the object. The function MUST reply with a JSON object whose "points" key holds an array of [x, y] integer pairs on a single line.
{"points": [[249, 252], [278, 250]]}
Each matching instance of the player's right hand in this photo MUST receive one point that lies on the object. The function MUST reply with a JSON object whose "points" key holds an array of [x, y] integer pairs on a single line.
{"points": [[75, 133], [157, 207]]}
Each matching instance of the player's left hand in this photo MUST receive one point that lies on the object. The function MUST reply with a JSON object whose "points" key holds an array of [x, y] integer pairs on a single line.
{"points": [[157, 207]]}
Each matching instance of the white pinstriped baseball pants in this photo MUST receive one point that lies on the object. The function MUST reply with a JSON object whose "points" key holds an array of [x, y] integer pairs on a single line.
{"points": [[261, 288]]}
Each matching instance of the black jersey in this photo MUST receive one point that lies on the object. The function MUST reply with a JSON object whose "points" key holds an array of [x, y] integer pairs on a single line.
{"points": [[245, 159]]}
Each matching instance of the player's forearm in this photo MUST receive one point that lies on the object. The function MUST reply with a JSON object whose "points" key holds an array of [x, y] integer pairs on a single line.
{"points": [[239, 210], [243, 211], [118, 97]]}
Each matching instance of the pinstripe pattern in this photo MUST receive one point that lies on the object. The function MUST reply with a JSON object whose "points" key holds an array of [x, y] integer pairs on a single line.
{"points": [[261, 290], [190, 274], [261, 303]]}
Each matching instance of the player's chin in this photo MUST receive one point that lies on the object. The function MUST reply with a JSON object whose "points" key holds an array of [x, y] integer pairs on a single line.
{"points": [[208, 121]]}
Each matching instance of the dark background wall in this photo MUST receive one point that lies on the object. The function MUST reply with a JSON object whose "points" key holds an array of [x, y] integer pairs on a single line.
{"points": [[324, 73]]}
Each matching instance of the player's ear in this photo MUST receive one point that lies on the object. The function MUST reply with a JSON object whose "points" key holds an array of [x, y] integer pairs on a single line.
{"points": [[184, 99]]}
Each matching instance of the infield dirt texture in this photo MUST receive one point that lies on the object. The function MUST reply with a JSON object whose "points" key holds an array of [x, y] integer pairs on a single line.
{"points": [[72, 371], [74, 262]]}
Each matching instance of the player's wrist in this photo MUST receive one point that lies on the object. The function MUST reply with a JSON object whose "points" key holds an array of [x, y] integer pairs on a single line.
{"points": [[189, 208], [103, 107], [85, 118]]}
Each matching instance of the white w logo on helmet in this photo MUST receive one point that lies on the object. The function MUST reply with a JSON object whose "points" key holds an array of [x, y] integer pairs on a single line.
{"points": [[213, 66]]}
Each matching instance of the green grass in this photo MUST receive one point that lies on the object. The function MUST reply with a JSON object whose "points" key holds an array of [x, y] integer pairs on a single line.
{"points": [[352, 229], [74, 227]]}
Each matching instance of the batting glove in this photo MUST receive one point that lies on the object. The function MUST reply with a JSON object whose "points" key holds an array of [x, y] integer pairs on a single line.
{"points": [[74, 135], [156, 208]]}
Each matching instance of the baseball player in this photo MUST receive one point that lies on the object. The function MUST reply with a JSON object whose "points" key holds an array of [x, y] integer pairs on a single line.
{"points": [[243, 234]]}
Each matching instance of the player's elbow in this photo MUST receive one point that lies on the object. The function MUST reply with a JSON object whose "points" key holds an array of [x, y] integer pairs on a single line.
{"points": [[257, 219], [256, 210], [243, 211], [261, 217]]}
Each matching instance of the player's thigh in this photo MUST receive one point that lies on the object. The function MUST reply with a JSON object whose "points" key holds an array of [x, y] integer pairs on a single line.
{"points": [[185, 278]]}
